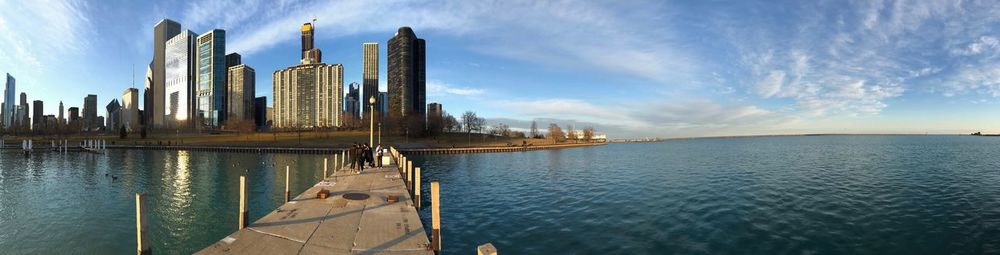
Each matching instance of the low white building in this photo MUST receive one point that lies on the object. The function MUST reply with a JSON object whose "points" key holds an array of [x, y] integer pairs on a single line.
{"points": [[595, 137]]}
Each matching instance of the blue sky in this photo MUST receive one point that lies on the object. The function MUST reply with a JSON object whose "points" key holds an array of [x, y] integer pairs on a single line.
{"points": [[629, 68]]}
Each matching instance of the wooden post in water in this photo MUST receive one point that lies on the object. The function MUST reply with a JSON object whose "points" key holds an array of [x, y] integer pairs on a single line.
{"points": [[324, 168], [243, 202], [140, 227], [486, 249], [287, 196], [436, 217], [416, 188], [409, 174], [336, 163]]}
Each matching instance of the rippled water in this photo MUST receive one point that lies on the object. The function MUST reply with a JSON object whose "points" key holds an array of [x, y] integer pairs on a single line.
{"points": [[765, 195], [64, 204], [768, 195]]}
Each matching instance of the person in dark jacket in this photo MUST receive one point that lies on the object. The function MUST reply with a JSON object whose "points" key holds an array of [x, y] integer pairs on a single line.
{"points": [[353, 154]]}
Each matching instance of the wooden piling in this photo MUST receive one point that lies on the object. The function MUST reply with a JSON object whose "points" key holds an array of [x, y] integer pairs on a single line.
{"points": [[324, 168], [416, 188], [287, 195], [336, 163], [140, 227], [486, 249], [409, 174], [436, 217], [243, 202]]}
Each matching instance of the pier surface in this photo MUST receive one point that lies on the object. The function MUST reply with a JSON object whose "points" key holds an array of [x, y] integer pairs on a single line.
{"points": [[336, 225]]}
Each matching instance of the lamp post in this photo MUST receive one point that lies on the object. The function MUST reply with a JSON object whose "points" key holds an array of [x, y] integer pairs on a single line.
{"points": [[379, 132], [371, 125]]}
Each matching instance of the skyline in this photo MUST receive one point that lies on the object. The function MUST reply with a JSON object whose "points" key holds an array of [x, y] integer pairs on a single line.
{"points": [[631, 69]]}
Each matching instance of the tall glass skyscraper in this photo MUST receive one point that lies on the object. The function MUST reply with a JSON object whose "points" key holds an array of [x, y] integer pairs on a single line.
{"points": [[162, 31], [212, 78], [180, 81], [308, 95], [8, 102]]}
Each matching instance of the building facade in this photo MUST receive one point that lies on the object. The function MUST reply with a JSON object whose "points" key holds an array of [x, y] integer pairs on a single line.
{"points": [[241, 89], [155, 104], [260, 112], [130, 109], [8, 102], [38, 116], [352, 102], [180, 80], [90, 112], [23, 112], [212, 78], [434, 110], [308, 95], [406, 75], [113, 119], [370, 75]]}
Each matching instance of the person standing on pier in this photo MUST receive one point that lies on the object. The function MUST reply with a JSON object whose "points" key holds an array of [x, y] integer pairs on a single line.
{"points": [[370, 155], [378, 155], [354, 155], [361, 157]]}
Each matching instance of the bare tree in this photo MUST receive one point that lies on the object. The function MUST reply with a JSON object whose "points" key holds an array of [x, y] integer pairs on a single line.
{"points": [[451, 124], [571, 133], [534, 129], [588, 133], [556, 133]]}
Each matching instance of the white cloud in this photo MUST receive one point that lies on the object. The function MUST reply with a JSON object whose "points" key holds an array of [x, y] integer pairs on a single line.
{"points": [[566, 39], [46, 31], [440, 88]]}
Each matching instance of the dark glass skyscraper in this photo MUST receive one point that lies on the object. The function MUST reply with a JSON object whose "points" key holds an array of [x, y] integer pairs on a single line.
{"points": [[212, 78], [406, 75]]}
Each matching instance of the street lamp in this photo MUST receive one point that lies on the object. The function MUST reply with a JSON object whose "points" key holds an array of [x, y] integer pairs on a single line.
{"points": [[371, 125]]}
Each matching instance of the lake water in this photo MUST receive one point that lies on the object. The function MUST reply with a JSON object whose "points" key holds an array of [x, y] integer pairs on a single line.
{"points": [[765, 195]]}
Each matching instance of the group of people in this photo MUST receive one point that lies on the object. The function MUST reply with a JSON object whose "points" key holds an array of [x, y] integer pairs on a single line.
{"points": [[362, 154]]}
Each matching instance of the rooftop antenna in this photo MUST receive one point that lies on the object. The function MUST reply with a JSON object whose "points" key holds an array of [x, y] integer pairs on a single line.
{"points": [[133, 75]]}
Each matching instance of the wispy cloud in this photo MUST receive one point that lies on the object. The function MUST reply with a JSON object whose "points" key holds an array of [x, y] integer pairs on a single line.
{"points": [[440, 88], [58, 30]]}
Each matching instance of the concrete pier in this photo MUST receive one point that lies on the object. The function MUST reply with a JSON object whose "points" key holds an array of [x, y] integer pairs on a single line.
{"points": [[366, 213]]}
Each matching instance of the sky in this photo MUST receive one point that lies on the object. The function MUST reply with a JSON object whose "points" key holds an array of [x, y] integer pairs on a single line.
{"points": [[627, 68]]}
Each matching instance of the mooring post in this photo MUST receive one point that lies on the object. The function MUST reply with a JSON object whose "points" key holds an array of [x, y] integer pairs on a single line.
{"points": [[336, 163], [324, 168], [436, 217], [486, 249], [140, 227], [409, 174], [286, 184], [416, 188], [243, 202]]}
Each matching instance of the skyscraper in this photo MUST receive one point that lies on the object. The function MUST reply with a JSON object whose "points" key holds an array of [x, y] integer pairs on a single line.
{"points": [[241, 83], [406, 75], [36, 116], [260, 111], [113, 120], [352, 102], [23, 112], [8, 102], [212, 78], [310, 54], [130, 109], [180, 79], [370, 75], [147, 94], [309, 94], [61, 120], [74, 115], [162, 31], [90, 112]]}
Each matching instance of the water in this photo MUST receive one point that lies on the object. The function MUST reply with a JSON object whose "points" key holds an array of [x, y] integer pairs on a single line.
{"points": [[769, 195], [64, 204]]}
